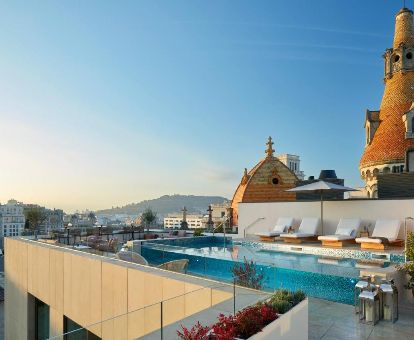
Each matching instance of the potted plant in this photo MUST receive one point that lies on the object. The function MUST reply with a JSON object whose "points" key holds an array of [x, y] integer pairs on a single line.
{"points": [[408, 267], [247, 322]]}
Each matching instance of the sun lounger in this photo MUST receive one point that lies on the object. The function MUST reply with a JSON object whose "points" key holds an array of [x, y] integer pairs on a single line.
{"points": [[385, 234], [282, 225], [307, 231], [345, 233]]}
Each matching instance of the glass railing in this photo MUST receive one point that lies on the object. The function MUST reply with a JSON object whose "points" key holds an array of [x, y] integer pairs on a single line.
{"points": [[163, 319]]}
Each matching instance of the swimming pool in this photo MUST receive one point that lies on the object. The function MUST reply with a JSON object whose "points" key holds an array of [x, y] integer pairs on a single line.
{"points": [[327, 278]]}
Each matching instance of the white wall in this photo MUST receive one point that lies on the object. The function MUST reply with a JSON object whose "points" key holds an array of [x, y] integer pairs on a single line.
{"points": [[368, 210]]}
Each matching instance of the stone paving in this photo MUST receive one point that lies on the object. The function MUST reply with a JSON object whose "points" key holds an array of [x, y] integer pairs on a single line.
{"points": [[331, 320]]}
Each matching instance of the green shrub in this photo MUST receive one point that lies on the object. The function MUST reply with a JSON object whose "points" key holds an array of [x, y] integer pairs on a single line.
{"points": [[283, 300], [198, 232], [408, 267], [298, 296], [281, 306]]}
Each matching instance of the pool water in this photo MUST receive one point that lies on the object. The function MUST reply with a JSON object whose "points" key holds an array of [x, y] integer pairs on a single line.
{"points": [[330, 279]]}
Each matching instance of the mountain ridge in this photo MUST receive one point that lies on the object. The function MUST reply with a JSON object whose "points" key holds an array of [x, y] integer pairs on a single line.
{"points": [[167, 204]]}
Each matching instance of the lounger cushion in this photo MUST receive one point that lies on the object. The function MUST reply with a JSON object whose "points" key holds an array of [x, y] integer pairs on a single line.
{"points": [[348, 226], [335, 238], [309, 225], [386, 228], [282, 224], [371, 240], [297, 235], [268, 233], [285, 222]]}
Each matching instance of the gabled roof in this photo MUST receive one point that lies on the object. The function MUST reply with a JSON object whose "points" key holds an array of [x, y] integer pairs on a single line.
{"points": [[372, 117]]}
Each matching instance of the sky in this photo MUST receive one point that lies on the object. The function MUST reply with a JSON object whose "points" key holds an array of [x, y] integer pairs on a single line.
{"points": [[104, 103]]}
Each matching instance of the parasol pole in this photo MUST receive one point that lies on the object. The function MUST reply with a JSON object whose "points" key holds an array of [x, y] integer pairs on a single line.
{"points": [[322, 210]]}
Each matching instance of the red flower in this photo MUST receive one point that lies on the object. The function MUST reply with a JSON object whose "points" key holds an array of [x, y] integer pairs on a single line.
{"points": [[197, 332], [225, 328]]}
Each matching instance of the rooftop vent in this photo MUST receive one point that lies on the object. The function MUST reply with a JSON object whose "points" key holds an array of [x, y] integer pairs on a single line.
{"points": [[327, 174]]}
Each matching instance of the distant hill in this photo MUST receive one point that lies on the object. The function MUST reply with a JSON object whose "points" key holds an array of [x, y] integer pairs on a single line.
{"points": [[168, 204]]}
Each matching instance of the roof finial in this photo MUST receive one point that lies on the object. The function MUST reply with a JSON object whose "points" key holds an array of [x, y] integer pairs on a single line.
{"points": [[269, 150], [245, 177]]}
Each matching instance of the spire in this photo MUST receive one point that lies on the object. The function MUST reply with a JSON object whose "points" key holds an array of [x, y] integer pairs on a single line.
{"points": [[404, 27], [245, 177], [269, 150]]}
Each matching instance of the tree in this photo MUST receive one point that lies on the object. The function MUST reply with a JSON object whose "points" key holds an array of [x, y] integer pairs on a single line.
{"points": [[148, 217], [92, 217], [34, 218]]}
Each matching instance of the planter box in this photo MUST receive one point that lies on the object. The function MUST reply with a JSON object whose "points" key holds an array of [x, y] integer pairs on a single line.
{"points": [[291, 325]]}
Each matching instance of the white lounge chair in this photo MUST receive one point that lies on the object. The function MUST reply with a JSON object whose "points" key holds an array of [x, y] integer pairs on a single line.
{"points": [[385, 234], [345, 233], [282, 226], [307, 231]]}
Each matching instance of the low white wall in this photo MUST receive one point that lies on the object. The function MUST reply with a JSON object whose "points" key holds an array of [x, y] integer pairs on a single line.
{"points": [[367, 210], [291, 325]]}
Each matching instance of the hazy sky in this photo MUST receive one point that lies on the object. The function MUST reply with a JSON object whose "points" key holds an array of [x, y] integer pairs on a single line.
{"points": [[104, 103]]}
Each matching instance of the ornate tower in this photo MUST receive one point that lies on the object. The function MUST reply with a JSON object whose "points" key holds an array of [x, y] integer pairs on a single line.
{"points": [[389, 145]]}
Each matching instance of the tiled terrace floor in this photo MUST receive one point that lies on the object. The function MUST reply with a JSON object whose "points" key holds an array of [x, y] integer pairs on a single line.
{"points": [[317, 244], [330, 320]]}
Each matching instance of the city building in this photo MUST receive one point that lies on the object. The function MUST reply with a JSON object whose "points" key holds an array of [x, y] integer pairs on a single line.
{"points": [[220, 211], [293, 163], [389, 131], [266, 182], [174, 220], [12, 219]]}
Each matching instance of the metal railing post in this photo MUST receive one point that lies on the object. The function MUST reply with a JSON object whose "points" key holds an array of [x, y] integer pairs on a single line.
{"points": [[234, 296], [406, 236], [161, 320]]}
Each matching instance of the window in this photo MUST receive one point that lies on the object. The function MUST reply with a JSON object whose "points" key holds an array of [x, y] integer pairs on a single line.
{"points": [[81, 334], [410, 161], [396, 58], [275, 181], [41, 320], [409, 55]]}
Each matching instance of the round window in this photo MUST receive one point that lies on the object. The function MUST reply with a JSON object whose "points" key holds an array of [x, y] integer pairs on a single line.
{"points": [[409, 55], [396, 58], [275, 180]]}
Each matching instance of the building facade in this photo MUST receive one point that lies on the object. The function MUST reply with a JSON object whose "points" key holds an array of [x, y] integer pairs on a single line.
{"points": [[389, 131], [266, 182], [174, 220], [12, 219], [54, 290]]}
